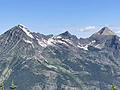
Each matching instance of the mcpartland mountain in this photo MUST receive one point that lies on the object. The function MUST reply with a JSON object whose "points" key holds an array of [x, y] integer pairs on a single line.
{"points": [[59, 62]]}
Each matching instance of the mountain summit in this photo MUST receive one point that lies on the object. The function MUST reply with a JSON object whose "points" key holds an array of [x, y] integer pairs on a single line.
{"points": [[105, 31], [66, 33], [22, 27]]}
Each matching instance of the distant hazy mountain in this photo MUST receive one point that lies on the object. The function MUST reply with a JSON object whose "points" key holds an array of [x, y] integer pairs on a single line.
{"points": [[59, 62]]}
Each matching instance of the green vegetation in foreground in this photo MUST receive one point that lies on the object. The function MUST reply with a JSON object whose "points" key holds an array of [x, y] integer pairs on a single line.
{"points": [[12, 86], [114, 87], [2, 85]]}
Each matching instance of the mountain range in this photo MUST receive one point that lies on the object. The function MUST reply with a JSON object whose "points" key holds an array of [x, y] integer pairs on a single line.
{"points": [[59, 62]]}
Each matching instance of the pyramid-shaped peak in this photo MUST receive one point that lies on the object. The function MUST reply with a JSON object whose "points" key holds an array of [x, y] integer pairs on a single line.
{"points": [[23, 28], [66, 33], [105, 31]]}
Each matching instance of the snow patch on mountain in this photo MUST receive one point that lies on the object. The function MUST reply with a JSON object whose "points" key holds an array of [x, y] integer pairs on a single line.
{"points": [[53, 40], [25, 30], [59, 41], [51, 66], [50, 41], [42, 43], [59, 37], [27, 41], [85, 47], [100, 46], [67, 40]]}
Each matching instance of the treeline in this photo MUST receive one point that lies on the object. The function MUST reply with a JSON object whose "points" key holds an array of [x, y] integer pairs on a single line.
{"points": [[12, 86]]}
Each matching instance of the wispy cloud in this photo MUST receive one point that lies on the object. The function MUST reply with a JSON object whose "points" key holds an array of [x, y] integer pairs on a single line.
{"points": [[87, 28], [80, 28], [90, 27], [116, 29]]}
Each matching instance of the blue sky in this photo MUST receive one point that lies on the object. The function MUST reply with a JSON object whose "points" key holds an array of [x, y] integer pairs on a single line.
{"points": [[80, 17]]}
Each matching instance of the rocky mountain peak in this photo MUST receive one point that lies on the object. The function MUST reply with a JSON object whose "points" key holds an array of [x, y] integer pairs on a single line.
{"points": [[105, 31], [22, 27], [65, 34]]}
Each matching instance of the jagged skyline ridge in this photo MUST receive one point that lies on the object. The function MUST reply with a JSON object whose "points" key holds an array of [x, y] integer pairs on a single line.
{"points": [[80, 32]]}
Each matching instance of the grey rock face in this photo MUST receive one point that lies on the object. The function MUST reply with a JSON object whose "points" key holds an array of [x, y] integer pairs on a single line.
{"points": [[105, 31], [62, 62]]}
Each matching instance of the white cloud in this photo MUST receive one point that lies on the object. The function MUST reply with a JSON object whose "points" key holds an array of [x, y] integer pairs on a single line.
{"points": [[115, 29], [79, 28], [90, 27], [117, 32]]}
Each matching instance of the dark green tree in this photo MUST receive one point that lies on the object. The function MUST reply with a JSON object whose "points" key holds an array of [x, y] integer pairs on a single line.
{"points": [[2, 85], [12, 86], [114, 87]]}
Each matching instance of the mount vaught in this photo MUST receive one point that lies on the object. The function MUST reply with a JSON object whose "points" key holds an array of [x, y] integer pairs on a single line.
{"points": [[59, 62]]}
